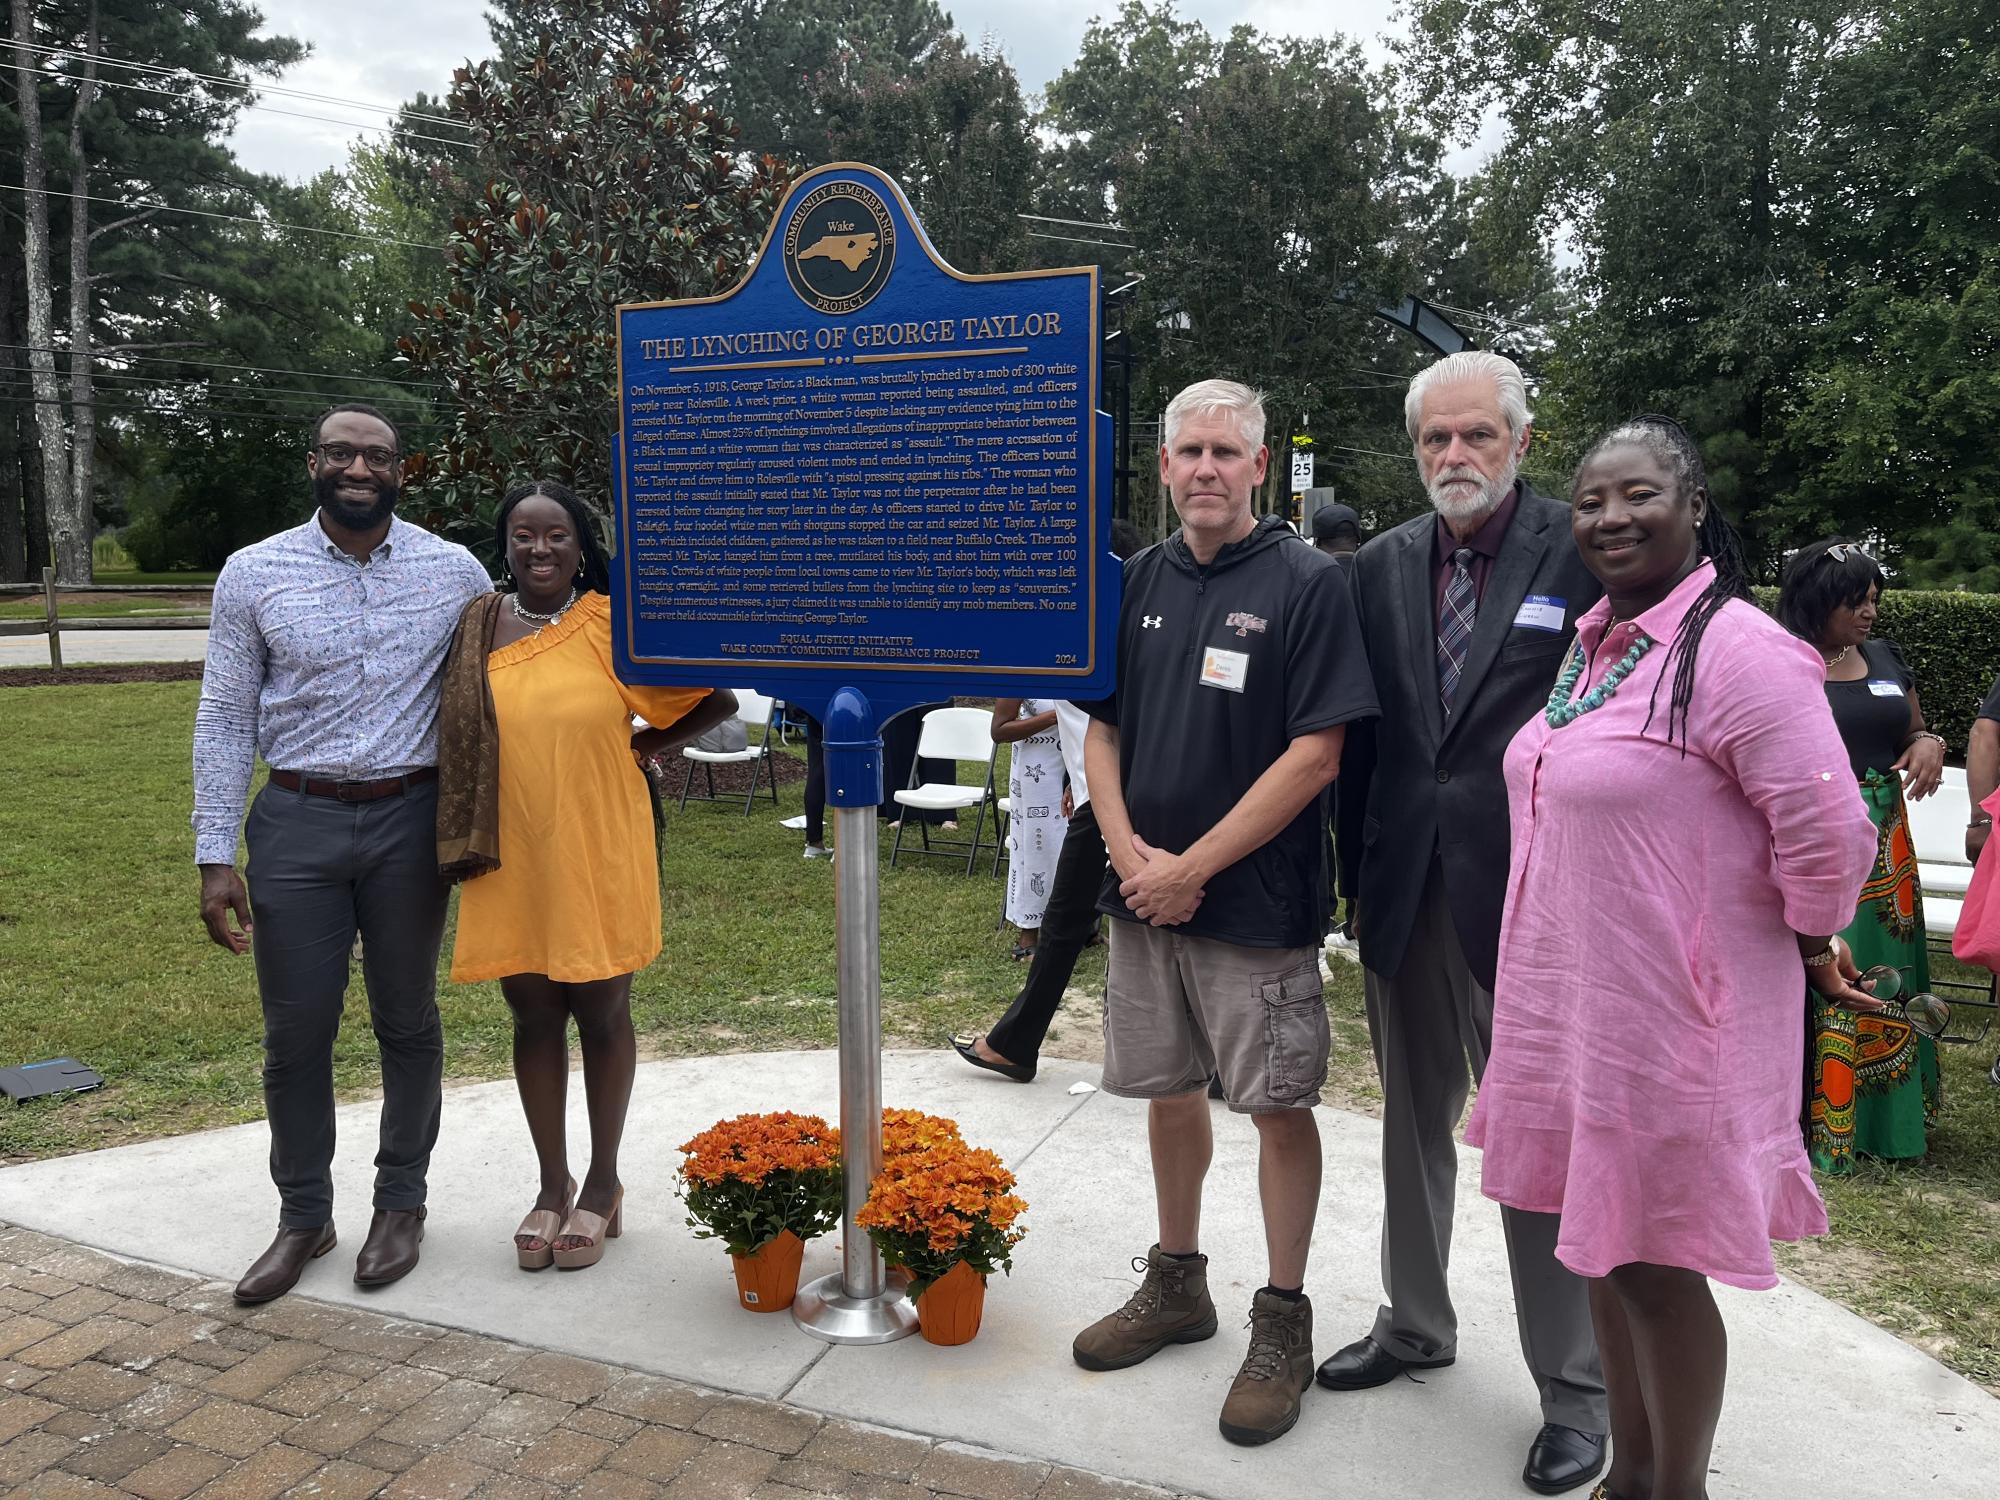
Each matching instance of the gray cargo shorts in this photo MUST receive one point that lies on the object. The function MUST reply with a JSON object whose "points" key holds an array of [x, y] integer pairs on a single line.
{"points": [[1178, 1008]]}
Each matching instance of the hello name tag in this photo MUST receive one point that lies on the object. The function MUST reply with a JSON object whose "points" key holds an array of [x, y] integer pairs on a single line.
{"points": [[1885, 689], [1540, 612], [1225, 669]]}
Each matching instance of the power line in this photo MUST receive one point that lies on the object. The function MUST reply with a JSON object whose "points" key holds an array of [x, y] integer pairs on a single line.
{"points": [[209, 213], [279, 395], [147, 88], [236, 83], [188, 411], [211, 364]]}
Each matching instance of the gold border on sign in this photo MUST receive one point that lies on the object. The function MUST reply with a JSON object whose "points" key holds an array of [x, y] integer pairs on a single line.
{"points": [[923, 239]]}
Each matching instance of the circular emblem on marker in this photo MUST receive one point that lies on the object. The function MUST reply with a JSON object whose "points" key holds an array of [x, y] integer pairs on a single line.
{"points": [[839, 247]]}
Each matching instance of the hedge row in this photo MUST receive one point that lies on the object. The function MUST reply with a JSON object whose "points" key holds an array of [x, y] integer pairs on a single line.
{"points": [[1952, 642]]}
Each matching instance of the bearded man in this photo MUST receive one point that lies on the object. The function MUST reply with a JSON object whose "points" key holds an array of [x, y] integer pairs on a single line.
{"points": [[325, 646], [1466, 615]]}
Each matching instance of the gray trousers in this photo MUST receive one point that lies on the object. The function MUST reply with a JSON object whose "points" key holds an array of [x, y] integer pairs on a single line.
{"points": [[320, 871], [1432, 1027]]}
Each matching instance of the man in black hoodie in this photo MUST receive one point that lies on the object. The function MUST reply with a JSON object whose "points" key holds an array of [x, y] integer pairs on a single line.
{"points": [[1238, 669]]}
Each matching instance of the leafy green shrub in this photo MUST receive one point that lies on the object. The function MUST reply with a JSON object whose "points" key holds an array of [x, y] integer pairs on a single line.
{"points": [[1952, 642]]}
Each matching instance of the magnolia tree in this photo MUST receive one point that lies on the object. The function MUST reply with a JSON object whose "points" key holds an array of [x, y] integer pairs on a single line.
{"points": [[599, 177]]}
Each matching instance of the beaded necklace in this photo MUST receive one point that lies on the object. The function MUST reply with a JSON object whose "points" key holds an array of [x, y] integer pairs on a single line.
{"points": [[1561, 711]]}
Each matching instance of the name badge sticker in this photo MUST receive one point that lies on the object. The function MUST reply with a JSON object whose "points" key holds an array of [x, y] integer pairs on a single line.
{"points": [[1540, 612], [1225, 669], [1883, 689]]}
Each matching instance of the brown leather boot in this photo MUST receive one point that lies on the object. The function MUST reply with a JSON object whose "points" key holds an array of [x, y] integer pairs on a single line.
{"points": [[1170, 1307], [277, 1270], [390, 1252], [1264, 1401]]}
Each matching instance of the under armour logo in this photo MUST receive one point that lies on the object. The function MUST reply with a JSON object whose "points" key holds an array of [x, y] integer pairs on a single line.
{"points": [[1150, 622]]}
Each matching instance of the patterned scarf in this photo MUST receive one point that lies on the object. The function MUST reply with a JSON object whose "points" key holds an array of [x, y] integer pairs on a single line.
{"points": [[468, 821]]}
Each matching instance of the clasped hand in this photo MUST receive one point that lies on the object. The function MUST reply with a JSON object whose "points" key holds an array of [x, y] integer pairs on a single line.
{"points": [[1161, 888], [1838, 983]]}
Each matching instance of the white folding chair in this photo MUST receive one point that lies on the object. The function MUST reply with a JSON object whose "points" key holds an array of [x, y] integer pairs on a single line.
{"points": [[956, 734], [755, 711]]}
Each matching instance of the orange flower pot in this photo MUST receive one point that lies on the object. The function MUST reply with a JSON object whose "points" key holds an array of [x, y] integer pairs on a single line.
{"points": [[950, 1308], [767, 1279]]}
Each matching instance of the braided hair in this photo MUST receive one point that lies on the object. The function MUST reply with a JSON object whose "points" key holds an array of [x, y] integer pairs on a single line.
{"points": [[1715, 539], [595, 575]]}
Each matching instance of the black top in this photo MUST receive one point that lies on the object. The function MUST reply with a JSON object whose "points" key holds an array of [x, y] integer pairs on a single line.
{"points": [[1990, 709], [1219, 670], [1873, 712]]}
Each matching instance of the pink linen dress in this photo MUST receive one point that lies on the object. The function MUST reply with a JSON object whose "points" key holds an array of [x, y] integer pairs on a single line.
{"points": [[1648, 1017]]}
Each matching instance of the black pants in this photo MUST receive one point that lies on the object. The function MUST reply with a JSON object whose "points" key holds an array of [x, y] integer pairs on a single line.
{"points": [[1068, 920], [815, 783], [320, 870]]}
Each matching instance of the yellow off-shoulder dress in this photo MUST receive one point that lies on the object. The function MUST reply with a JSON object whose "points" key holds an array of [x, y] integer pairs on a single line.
{"points": [[577, 894]]}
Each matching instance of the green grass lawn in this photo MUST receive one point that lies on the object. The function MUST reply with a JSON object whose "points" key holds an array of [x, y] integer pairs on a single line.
{"points": [[135, 575], [103, 606], [103, 957]]}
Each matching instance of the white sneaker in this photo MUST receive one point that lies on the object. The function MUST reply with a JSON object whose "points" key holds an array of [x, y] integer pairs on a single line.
{"points": [[794, 824], [817, 851]]}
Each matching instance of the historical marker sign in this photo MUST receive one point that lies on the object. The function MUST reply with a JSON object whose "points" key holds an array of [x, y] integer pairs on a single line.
{"points": [[863, 468]]}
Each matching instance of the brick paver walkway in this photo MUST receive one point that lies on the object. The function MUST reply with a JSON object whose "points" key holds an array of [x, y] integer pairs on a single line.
{"points": [[122, 1378]]}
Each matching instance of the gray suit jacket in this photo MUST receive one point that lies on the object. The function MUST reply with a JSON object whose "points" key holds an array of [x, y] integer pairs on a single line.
{"points": [[1416, 787]]}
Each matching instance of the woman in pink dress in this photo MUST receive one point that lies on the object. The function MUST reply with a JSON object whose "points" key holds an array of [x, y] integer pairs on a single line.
{"points": [[1686, 835]]}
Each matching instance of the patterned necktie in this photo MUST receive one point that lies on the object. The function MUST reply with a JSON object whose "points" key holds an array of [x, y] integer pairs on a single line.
{"points": [[1461, 604]]}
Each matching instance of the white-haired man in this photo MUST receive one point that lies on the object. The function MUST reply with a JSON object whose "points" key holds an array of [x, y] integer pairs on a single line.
{"points": [[1466, 615], [1238, 670]]}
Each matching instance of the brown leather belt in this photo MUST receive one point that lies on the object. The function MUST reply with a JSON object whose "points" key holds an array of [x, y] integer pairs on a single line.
{"points": [[354, 791]]}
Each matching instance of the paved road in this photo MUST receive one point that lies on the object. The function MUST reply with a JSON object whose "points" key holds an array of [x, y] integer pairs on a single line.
{"points": [[83, 647]]}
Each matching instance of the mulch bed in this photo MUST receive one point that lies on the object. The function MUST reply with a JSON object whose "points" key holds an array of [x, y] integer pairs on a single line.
{"points": [[730, 778], [138, 671]]}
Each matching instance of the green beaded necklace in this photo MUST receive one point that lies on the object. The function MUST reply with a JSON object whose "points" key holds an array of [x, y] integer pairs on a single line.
{"points": [[1561, 711]]}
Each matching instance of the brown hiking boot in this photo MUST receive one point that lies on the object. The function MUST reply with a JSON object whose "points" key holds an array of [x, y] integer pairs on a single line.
{"points": [[1264, 1401], [1170, 1307]]}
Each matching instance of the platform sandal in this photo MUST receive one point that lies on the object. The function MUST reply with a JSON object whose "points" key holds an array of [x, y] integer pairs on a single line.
{"points": [[543, 1224], [588, 1226]]}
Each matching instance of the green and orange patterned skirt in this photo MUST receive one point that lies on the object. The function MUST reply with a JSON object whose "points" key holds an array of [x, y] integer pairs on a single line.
{"points": [[1875, 1084]]}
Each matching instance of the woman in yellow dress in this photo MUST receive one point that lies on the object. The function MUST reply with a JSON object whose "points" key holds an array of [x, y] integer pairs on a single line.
{"points": [[548, 817]]}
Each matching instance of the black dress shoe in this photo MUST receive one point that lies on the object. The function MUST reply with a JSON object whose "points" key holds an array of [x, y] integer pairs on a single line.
{"points": [[277, 1270], [963, 1046], [390, 1252], [1365, 1364], [1563, 1459]]}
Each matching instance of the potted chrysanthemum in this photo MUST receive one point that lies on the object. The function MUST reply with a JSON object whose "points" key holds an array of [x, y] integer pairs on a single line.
{"points": [[947, 1215], [763, 1185]]}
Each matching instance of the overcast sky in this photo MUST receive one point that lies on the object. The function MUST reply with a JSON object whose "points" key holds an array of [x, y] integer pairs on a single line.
{"points": [[380, 52]]}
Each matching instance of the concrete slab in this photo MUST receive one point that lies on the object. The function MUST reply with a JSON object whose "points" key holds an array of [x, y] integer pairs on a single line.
{"points": [[204, 1203], [663, 1301], [97, 647]]}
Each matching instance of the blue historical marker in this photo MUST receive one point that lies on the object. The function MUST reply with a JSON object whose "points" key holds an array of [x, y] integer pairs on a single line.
{"points": [[863, 468], [861, 481]]}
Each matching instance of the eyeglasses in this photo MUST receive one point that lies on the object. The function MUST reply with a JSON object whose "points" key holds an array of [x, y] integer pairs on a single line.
{"points": [[340, 455], [1840, 552], [1924, 1014]]}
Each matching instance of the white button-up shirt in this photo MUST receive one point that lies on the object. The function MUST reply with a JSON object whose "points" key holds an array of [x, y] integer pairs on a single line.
{"points": [[323, 665]]}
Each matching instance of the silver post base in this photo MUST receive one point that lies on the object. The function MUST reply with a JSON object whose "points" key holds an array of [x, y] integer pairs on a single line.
{"points": [[825, 1310]]}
